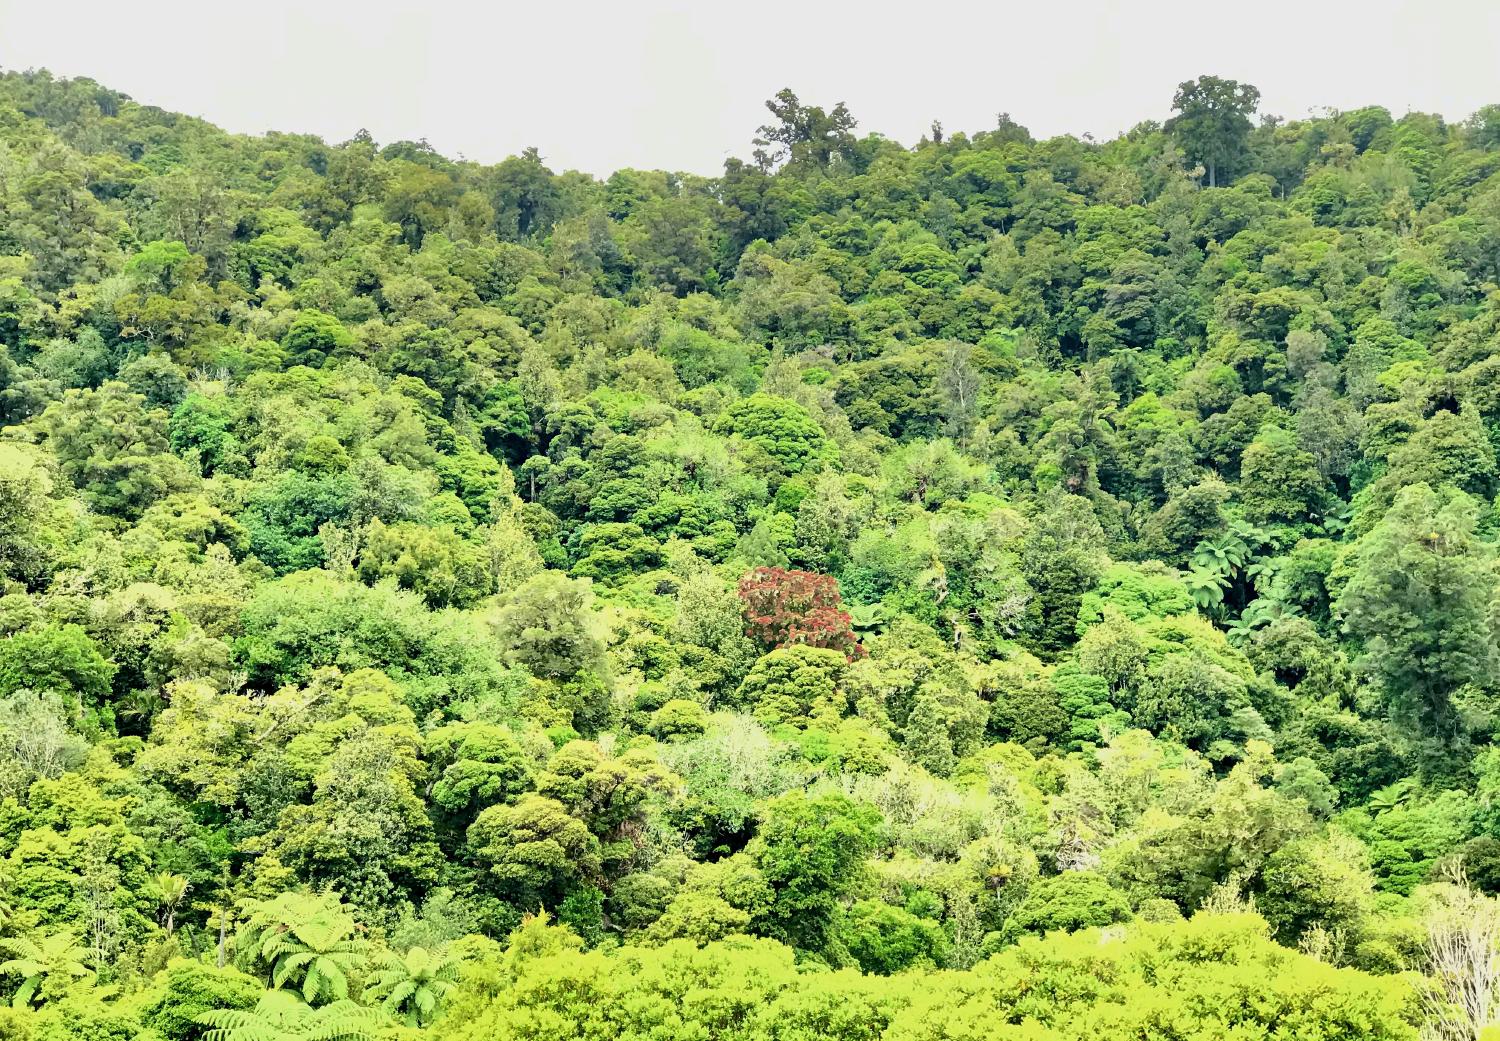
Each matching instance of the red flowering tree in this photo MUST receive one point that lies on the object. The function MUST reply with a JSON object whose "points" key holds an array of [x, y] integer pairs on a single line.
{"points": [[785, 607]]}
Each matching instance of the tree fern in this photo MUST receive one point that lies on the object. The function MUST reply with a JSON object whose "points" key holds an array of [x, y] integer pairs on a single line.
{"points": [[281, 1016], [305, 942], [46, 966], [412, 988]]}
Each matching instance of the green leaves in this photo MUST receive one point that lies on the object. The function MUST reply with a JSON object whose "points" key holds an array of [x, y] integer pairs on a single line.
{"points": [[1223, 556], [784, 431], [46, 966], [1207, 585], [1215, 973], [811, 851], [1212, 121], [279, 1016], [313, 337], [1071, 901], [305, 942], [370, 524], [534, 850], [412, 987], [1417, 601]]}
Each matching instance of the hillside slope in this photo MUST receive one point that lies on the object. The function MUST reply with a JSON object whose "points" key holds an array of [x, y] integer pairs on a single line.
{"points": [[877, 556]]}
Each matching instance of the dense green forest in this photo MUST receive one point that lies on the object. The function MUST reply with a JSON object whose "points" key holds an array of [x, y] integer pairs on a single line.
{"points": [[991, 588]]}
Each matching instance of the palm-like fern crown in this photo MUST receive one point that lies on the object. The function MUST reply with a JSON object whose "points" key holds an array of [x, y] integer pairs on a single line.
{"points": [[57, 958], [169, 888], [411, 988], [304, 941], [282, 1016]]}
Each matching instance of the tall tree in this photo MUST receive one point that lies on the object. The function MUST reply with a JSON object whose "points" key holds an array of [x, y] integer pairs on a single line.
{"points": [[1212, 124], [1418, 602], [811, 851], [803, 135]]}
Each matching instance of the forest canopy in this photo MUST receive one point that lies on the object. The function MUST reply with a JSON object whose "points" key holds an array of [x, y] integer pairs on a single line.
{"points": [[989, 587]]}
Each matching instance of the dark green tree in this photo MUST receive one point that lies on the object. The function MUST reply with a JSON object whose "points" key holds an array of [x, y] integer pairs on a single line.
{"points": [[1212, 124]]}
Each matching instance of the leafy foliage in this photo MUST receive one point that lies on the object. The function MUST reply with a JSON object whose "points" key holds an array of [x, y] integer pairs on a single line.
{"points": [[1048, 586]]}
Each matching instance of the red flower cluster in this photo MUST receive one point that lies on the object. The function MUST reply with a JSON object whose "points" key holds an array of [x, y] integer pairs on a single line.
{"points": [[785, 607]]}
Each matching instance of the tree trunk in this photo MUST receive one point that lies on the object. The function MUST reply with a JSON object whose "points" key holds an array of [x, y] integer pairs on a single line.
{"points": [[223, 926], [1213, 181]]}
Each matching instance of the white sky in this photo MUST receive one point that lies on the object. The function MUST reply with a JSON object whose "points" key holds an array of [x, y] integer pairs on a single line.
{"points": [[598, 85]]}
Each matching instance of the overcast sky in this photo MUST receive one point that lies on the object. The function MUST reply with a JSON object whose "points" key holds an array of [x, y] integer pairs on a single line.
{"points": [[597, 85]]}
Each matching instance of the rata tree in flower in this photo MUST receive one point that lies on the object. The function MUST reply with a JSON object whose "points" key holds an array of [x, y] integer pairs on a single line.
{"points": [[787, 608]]}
